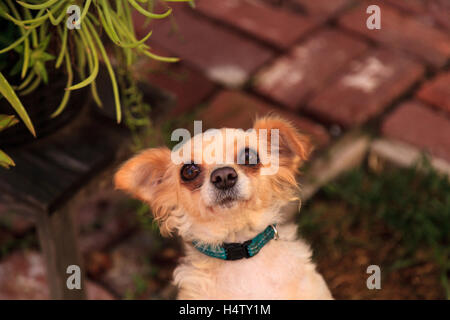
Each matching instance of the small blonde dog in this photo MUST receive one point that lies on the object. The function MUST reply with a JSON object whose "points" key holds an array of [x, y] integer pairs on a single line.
{"points": [[238, 244]]}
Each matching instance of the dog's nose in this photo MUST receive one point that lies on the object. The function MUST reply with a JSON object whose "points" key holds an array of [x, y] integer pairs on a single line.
{"points": [[224, 178]]}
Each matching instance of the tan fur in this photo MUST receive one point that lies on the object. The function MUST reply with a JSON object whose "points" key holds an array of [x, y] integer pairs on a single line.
{"points": [[281, 270]]}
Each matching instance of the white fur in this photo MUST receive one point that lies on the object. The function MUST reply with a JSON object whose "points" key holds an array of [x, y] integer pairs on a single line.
{"points": [[281, 270]]}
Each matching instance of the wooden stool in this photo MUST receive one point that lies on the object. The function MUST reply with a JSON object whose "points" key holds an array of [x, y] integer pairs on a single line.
{"points": [[47, 174]]}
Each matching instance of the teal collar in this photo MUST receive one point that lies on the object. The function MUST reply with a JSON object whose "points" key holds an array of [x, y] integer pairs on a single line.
{"points": [[236, 251]]}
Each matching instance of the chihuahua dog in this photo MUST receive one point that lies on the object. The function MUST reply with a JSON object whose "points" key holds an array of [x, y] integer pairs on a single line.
{"points": [[238, 244]]}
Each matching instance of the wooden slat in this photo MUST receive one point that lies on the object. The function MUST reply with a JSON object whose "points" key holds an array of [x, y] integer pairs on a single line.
{"points": [[50, 171], [57, 238]]}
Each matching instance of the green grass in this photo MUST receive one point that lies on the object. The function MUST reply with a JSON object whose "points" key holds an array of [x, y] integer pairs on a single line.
{"points": [[140, 286], [413, 205]]}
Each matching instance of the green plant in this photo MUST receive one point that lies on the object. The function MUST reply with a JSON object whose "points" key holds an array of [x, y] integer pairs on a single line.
{"points": [[41, 37], [6, 122]]}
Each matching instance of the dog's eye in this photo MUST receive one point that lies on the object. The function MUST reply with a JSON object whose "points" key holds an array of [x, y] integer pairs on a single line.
{"points": [[248, 157], [190, 171]]}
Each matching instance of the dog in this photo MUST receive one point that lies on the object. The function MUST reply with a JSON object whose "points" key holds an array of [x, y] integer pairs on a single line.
{"points": [[238, 244]]}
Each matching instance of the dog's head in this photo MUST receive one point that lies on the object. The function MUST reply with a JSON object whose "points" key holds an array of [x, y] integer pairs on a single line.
{"points": [[220, 201]]}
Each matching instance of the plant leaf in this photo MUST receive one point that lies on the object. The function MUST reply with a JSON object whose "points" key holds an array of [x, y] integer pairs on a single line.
{"points": [[110, 70], [66, 96], [38, 6], [16, 43], [93, 51], [7, 121], [59, 60], [10, 95], [148, 14], [5, 160]]}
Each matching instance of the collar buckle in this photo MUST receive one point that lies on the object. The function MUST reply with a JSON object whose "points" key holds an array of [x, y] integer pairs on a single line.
{"points": [[275, 236], [236, 251]]}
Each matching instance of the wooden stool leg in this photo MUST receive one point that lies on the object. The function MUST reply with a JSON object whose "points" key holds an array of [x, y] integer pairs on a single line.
{"points": [[57, 238]]}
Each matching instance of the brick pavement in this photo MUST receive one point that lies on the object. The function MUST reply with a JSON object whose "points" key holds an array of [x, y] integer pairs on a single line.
{"points": [[315, 63], [328, 68]]}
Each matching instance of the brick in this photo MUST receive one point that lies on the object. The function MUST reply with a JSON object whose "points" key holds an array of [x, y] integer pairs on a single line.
{"points": [[235, 109], [437, 91], [366, 89], [275, 26], [402, 154], [189, 87], [23, 277], [431, 12], [292, 78], [401, 31], [321, 8], [421, 126], [221, 54], [413, 6]]}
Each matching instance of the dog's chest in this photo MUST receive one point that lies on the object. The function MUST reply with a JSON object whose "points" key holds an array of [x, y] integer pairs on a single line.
{"points": [[269, 275], [281, 270]]}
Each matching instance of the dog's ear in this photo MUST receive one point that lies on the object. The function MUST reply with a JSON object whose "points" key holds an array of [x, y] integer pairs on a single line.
{"points": [[147, 176], [293, 146]]}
